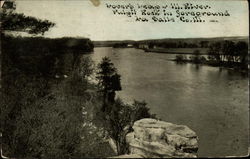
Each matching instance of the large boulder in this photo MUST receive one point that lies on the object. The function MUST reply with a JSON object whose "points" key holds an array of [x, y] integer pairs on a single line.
{"points": [[154, 138]]}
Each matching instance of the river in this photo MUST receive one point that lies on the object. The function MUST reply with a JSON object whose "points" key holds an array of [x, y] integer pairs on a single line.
{"points": [[210, 100]]}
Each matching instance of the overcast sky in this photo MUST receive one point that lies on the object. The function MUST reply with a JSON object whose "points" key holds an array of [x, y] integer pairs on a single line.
{"points": [[83, 19]]}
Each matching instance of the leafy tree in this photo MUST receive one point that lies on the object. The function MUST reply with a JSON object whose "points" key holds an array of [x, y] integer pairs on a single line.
{"points": [[241, 49], [151, 45], [228, 50], [120, 120], [229, 53], [196, 58], [215, 52], [108, 81], [11, 21], [204, 44], [181, 58], [116, 116]]}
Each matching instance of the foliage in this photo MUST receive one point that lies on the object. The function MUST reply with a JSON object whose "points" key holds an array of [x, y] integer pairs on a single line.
{"points": [[177, 44], [108, 81], [120, 45], [197, 58], [120, 120], [180, 58], [229, 53], [40, 55], [19, 92], [46, 118], [118, 117], [214, 52], [107, 76], [11, 21], [241, 49]]}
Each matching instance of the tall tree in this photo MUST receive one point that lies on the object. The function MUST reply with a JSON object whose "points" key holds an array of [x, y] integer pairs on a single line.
{"points": [[228, 50], [241, 49], [108, 81], [215, 52]]}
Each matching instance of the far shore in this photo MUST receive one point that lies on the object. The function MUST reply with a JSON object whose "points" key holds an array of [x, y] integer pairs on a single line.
{"points": [[203, 51]]}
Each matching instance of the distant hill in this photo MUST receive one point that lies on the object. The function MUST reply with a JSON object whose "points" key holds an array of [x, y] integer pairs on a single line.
{"points": [[191, 40], [169, 40], [111, 43]]}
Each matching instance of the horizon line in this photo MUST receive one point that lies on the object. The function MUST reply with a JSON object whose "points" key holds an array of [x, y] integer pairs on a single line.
{"points": [[245, 36]]}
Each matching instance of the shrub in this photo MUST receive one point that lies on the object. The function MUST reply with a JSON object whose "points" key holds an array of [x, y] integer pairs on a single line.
{"points": [[120, 120], [43, 117], [180, 58]]}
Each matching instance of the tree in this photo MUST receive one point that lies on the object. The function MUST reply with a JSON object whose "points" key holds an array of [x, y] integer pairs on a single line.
{"points": [[20, 120], [228, 49], [215, 52], [11, 21], [120, 120], [116, 116], [241, 49], [204, 44], [196, 58], [108, 81], [181, 58]]}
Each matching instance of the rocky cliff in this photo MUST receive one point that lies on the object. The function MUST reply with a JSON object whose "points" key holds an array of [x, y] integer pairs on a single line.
{"points": [[154, 138]]}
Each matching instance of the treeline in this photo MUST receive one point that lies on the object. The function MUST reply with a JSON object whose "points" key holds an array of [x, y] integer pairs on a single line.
{"points": [[229, 52], [226, 53], [172, 45], [169, 43], [180, 44], [120, 45], [39, 55], [41, 45], [183, 43]]}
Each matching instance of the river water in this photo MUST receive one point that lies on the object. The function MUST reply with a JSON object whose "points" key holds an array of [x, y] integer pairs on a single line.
{"points": [[210, 100]]}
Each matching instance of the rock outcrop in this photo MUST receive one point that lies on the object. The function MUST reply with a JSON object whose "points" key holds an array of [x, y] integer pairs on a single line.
{"points": [[154, 138]]}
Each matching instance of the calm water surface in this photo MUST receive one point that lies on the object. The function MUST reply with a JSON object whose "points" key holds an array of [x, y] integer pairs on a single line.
{"points": [[211, 101]]}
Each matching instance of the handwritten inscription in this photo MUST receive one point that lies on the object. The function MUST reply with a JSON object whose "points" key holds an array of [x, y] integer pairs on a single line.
{"points": [[172, 12]]}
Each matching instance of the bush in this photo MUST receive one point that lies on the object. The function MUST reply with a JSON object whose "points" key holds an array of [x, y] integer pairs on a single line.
{"points": [[120, 120], [43, 117], [203, 59], [180, 59]]}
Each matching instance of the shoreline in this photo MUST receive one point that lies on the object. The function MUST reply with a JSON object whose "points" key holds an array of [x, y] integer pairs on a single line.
{"points": [[234, 68], [187, 51]]}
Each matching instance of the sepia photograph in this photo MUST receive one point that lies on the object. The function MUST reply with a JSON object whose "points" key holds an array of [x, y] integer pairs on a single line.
{"points": [[124, 79]]}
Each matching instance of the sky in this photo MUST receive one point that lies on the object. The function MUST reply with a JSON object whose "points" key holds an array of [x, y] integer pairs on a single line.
{"points": [[83, 19]]}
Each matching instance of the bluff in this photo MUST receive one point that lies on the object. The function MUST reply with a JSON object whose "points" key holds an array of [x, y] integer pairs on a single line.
{"points": [[153, 138]]}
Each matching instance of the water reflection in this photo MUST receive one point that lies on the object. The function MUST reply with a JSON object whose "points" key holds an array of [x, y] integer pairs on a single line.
{"points": [[197, 67]]}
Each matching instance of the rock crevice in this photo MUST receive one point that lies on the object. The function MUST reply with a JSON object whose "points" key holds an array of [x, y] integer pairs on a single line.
{"points": [[154, 138]]}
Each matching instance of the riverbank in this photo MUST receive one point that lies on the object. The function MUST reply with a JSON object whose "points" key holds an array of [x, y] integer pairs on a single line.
{"points": [[203, 51], [236, 66]]}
